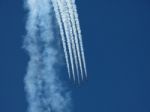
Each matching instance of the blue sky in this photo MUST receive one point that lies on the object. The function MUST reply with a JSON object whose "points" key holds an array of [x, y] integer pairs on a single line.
{"points": [[116, 39]]}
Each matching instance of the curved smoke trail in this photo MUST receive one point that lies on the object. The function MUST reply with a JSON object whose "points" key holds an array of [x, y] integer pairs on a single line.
{"points": [[71, 13], [69, 16], [79, 34], [67, 33], [58, 17], [45, 91]]}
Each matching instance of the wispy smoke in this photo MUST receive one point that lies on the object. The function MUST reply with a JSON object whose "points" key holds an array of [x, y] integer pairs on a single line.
{"points": [[45, 91]]}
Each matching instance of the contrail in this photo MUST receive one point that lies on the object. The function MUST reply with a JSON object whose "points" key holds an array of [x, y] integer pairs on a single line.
{"points": [[75, 34], [72, 30], [44, 89], [79, 33], [64, 19], [72, 38], [58, 17]]}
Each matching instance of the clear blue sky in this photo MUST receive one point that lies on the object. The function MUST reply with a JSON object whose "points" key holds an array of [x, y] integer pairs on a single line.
{"points": [[116, 37]]}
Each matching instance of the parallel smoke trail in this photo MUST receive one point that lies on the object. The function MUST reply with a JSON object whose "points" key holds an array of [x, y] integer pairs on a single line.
{"points": [[58, 17], [79, 33], [64, 19], [75, 34], [45, 91], [72, 38]]}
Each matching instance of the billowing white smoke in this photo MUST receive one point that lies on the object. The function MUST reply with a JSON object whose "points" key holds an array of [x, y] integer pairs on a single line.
{"points": [[44, 89], [45, 92]]}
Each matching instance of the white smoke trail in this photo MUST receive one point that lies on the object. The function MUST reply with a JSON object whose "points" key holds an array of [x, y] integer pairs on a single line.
{"points": [[67, 32], [58, 17], [71, 37], [44, 89], [70, 22], [71, 13], [79, 33]]}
